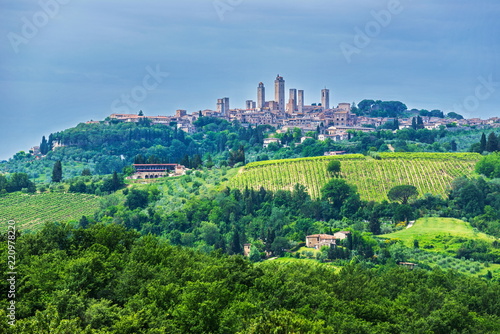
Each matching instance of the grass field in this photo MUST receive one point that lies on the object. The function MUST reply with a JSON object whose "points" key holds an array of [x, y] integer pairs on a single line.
{"points": [[429, 172], [30, 211], [442, 234], [292, 261]]}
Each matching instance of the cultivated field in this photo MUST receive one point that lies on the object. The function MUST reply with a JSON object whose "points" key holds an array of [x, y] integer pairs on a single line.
{"points": [[442, 234], [429, 172], [29, 211]]}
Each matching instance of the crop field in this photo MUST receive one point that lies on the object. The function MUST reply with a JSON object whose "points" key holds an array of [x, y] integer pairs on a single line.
{"points": [[439, 239], [30, 211], [429, 172], [442, 234]]}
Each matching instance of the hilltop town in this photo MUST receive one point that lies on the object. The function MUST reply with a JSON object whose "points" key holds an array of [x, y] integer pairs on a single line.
{"points": [[330, 122]]}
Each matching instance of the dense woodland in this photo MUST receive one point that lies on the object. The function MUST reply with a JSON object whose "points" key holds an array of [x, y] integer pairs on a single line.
{"points": [[108, 279], [166, 257]]}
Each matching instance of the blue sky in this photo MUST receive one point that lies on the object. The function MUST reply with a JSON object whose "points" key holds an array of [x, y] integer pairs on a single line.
{"points": [[69, 61]]}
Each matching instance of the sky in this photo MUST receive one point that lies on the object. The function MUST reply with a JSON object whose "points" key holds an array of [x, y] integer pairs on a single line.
{"points": [[63, 62]]}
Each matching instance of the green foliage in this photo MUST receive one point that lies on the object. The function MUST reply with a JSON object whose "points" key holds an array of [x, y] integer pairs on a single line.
{"points": [[108, 279], [57, 172], [16, 182], [137, 198], [489, 165], [333, 167], [337, 191], [402, 193]]}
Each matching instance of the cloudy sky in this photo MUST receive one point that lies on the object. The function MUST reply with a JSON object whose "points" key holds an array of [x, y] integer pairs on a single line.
{"points": [[69, 61]]}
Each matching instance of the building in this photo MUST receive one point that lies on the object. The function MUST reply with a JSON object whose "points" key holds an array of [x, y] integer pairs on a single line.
{"points": [[250, 104], [325, 98], [268, 141], [279, 92], [333, 130], [318, 240], [153, 171], [180, 113], [292, 101], [223, 106], [300, 101], [246, 249], [261, 96], [341, 235]]}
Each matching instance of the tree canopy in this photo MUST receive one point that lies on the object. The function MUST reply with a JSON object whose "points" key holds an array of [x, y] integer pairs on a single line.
{"points": [[402, 193]]}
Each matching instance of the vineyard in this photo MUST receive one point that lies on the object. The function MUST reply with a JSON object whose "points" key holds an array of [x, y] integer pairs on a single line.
{"points": [[429, 172], [29, 211]]}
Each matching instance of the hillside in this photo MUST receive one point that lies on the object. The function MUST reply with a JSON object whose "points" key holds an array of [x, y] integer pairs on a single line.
{"points": [[443, 239], [30, 211], [429, 172], [442, 234]]}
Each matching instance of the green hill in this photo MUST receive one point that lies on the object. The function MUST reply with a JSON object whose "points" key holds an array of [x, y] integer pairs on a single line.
{"points": [[442, 234], [429, 172], [29, 211]]}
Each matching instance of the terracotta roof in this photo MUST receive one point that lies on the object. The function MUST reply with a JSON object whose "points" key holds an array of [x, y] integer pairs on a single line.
{"points": [[322, 236]]}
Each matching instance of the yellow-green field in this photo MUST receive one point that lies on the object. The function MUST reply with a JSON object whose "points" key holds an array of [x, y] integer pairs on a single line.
{"points": [[31, 210], [429, 172], [443, 234]]}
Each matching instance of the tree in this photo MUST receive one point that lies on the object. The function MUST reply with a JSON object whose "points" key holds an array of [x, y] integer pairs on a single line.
{"points": [[86, 172], [333, 167], [254, 255], [482, 145], [396, 124], [137, 199], [453, 145], [209, 162], [337, 191], [196, 161], [279, 245], [235, 243], [489, 165], [140, 113], [454, 115], [420, 123], [44, 146], [492, 143], [57, 172], [414, 123], [402, 193], [19, 181], [50, 142], [237, 156], [374, 225]]}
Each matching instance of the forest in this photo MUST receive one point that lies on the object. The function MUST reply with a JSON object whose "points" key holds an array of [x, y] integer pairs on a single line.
{"points": [[106, 278]]}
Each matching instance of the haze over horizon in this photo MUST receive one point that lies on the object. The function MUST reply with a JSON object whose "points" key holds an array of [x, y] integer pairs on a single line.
{"points": [[66, 62]]}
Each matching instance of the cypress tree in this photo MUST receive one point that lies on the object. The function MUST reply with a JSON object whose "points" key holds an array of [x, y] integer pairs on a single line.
{"points": [[44, 146], [453, 145], [492, 143], [50, 143], [396, 124], [420, 123], [482, 143], [57, 172]]}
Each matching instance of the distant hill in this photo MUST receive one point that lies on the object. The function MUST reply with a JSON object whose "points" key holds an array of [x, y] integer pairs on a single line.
{"points": [[429, 172]]}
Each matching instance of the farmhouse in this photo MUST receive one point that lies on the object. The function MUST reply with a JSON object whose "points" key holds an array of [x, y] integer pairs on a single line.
{"points": [[319, 240], [341, 235], [153, 171]]}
